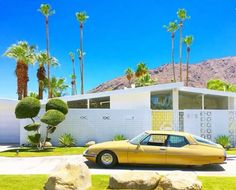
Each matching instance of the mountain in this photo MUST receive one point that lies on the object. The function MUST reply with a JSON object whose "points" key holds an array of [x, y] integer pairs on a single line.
{"points": [[199, 74]]}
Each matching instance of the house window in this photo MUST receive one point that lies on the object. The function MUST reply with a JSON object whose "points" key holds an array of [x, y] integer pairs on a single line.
{"points": [[215, 102], [78, 104], [161, 100], [99, 103], [189, 100]]}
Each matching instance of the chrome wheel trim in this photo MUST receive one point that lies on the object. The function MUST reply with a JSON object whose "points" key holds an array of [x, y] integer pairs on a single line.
{"points": [[107, 159]]}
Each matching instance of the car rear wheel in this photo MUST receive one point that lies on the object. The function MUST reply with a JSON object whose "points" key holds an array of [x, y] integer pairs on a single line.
{"points": [[107, 159]]}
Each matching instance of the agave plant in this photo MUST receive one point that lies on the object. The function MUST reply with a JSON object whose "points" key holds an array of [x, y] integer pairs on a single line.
{"points": [[224, 141], [66, 140], [119, 138]]}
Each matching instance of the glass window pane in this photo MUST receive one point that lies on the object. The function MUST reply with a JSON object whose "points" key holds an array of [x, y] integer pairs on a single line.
{"points": [[99, 103], [156, 140], [82, 104], [215, 102], [176, 141], [190, 100], [161, 100]]}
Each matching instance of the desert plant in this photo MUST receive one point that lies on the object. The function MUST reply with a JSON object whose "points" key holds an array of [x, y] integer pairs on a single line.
{"points": [[224, 141], [66, 140], [119, 138], [145, 80], [129, 75]]}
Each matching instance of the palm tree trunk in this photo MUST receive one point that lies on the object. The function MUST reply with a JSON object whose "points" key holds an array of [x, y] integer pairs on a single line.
{"points": [[74, 89], [172, 55], [180, 50], [81, 59], [47, 49], [25, 80], [19, 75], [187, 65]]}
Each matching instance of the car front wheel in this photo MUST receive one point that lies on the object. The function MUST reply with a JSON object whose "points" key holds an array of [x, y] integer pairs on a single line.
{"points": [[107, 159]]}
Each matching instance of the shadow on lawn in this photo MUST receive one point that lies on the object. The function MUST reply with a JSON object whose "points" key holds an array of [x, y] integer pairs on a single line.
{"points": [[210, 168]]}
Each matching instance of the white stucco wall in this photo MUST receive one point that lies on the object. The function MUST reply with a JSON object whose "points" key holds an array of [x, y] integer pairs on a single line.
{"points": [[9, 125], [98, 125], [131, 101], [232, 103]]}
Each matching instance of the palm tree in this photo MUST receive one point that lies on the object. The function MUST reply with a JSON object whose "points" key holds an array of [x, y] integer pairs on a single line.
{"points": [[46, 10], [182, 15], [129, 75], [144, 80], [172, 28], [43, 59], [58, 86], [24, 54], [141, 70], [188, 40], [73, 76], [81, 18]]}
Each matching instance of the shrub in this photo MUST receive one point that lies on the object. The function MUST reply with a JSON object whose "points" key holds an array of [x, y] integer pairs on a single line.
{"points": [[27, 108], [66, 140], [57, 104], [119, 138], [53, 117], [32, 127], [34, 139], [224, 141]]}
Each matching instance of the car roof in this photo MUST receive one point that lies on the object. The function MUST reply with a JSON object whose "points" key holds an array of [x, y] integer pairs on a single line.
{"points": [[168, 132]]}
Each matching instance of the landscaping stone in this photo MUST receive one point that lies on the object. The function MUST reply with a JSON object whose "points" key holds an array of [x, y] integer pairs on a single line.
{"points": [[70, 176], [134, 180], [48, 144], [90, 143], [178, 180]]}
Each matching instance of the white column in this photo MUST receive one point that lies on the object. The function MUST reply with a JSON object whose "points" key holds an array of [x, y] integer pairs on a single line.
{"points": [[175, 97]]}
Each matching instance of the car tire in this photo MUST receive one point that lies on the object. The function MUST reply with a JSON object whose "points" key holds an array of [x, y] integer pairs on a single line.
{"points": [[107, 159]]}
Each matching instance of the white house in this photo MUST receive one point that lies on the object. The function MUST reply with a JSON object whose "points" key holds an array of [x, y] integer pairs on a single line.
{"points": [[101, 116]]}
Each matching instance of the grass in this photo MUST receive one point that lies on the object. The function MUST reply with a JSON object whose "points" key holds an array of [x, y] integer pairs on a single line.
{"points": [[36, 182], [29, 152], [231, 151]]}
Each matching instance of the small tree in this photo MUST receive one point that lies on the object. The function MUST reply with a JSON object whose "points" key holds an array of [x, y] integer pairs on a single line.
{"points": [[29, 107]]}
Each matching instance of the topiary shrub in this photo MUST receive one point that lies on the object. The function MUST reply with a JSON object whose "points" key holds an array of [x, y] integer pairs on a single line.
{"points": [[57, 104], [32, 127], [28, 107], [53, 117], [34, 139]]}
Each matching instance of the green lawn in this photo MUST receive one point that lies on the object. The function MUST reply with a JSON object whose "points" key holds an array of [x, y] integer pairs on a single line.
{"points": [[29, 152], [231, 151], [36, 182]]}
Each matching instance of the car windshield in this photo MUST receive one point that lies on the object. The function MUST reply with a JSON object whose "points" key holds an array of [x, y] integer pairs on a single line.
{"points": [[202, 140], [136, 140]]}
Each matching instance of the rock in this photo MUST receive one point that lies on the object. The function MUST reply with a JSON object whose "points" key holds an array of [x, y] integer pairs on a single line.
{"points": [[179, 181], [70, 176], [90, 143], [134, 180], [48, 144]]}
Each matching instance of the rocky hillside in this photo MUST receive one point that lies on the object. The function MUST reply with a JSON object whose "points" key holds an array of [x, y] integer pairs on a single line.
{"points": [[199, 74]]}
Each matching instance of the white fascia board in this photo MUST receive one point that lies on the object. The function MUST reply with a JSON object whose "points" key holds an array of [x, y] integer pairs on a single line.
{"points": [[207, 91]]}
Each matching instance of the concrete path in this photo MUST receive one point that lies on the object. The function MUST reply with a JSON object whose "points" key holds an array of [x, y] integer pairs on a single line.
{"points": [[45, 165], [4, 147]]}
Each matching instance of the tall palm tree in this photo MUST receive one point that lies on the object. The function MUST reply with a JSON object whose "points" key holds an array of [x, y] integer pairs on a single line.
{"points": [[188, 40], [46, 10], [182, 15], [43, 59], [129, 75], [24, 54], [172, 28], [81, 18], [73, 76], [141, 70]]}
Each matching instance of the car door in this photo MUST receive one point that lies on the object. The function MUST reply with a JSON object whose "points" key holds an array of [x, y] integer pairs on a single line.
{"points": [[151, 150], [178, 150]]}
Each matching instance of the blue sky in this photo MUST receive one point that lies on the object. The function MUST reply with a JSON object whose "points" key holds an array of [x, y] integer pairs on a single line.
{"points": [[118, 34]]}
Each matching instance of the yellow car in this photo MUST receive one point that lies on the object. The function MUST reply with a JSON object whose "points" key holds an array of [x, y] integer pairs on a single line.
{"points": [[157, 147]]}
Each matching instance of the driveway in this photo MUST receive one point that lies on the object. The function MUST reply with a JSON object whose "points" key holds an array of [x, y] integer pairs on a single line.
{"points": [[45, 165], [4, 147]]}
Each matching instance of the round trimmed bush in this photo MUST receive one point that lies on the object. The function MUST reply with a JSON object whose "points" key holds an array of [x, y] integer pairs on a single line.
{"points": [[28, 107], [57, 104], [53, 117], [32, 127], [34, 139]]}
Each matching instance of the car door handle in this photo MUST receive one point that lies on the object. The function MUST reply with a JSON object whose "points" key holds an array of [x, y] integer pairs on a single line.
{"points": [[162, 149]]}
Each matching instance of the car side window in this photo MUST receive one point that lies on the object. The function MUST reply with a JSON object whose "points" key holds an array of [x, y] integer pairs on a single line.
{"points": [[155, 140], [176, 141]]}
